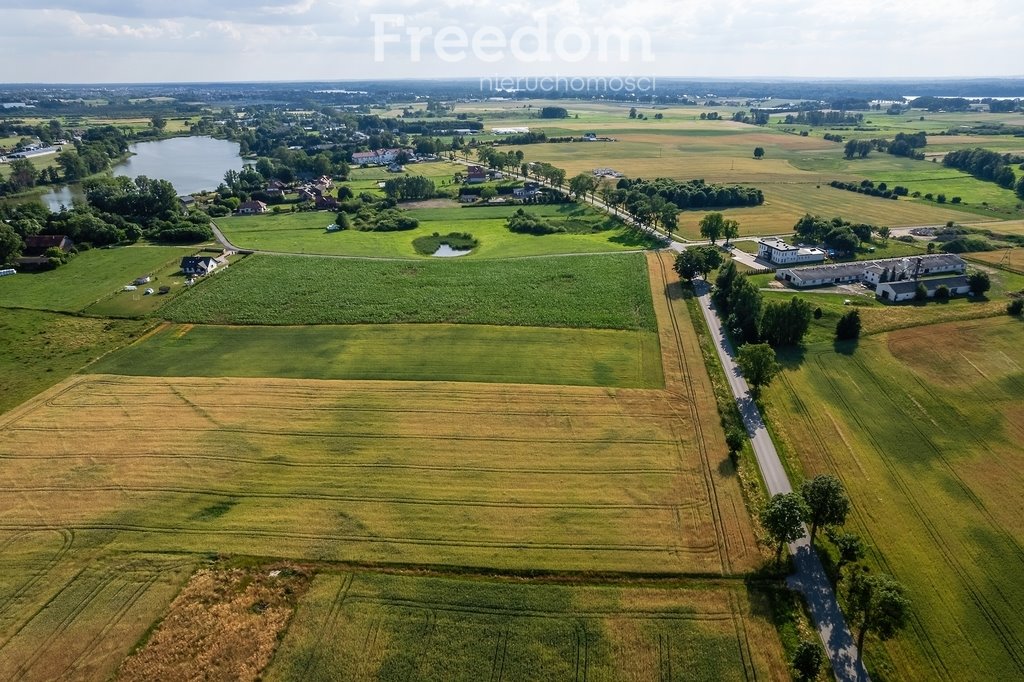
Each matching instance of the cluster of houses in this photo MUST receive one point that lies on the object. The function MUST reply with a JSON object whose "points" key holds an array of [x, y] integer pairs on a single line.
{"points": [[893, 279]]}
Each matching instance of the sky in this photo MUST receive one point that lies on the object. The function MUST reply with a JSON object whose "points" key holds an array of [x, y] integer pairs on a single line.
{"points": [[119, 41]]}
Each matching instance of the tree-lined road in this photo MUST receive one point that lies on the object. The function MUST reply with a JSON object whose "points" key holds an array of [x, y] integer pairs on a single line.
{"points": [[810, 578]]}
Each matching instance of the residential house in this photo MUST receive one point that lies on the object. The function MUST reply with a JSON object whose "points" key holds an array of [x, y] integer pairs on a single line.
{"points": [[187, 201], [326, 203], [252, 208], [778, 252], [380, 157], [906, 290], [476, 175], [33, 255], [198, 266]]}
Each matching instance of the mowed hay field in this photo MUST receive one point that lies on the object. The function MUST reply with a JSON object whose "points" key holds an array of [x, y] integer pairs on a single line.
{"points": [[427, 352], [405, 627], [510, 477], [925, 426]]}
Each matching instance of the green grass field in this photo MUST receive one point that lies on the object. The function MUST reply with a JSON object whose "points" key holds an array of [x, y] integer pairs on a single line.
{"points": [[89, 278], [307, 233], [405, 627], [516, 355], [41, 349], [572, 291], [924, 427]]}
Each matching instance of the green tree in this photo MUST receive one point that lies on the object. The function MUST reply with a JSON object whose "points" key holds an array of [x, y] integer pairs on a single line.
{"points": [[158, 122], [688, 264], [758, 152], [710, 259], [343, 221], [827, 503], [632, 112], [10, 244], [759, 366], [734, 440], [21, 175], [745, 303], [850, 546], [488, 193], [1020, 188], [669, 217], [979, 282], [712, 226], [783, 518], [730, 230], [1015, 307], [786, 324], [723, 287], [877, 603], [921, 292], [848, 327], [807, 660], [73, 166]]}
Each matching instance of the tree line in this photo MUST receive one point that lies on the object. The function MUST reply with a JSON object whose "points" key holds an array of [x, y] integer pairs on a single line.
{"points": [[694, 194], [986, 165]]}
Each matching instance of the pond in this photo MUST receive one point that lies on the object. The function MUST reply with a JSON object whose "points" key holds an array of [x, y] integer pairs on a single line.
{"points": [[191, 164], [445, 251]]}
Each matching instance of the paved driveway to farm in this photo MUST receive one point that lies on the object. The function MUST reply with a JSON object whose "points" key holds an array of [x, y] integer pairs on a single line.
{"points": [[810, 578]]}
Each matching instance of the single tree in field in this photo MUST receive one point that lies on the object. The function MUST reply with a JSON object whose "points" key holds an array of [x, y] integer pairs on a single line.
{"points": [[807, 660], [848, 327], [343, 221], [877, 603], [979, 283], [758, 152], [851, 549], [158, 122], [827, 503], [712, 226], [730, 230], [758, 364], [783, 518], [884, 233]]}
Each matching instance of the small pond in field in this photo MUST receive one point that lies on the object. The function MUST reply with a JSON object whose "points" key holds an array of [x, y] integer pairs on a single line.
{"points": [[445, 251]]}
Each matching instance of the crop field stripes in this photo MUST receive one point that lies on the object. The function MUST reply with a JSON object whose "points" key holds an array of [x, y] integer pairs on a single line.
{"points": [[689, 395], [330, 624], [949, 553], [500, 654], [67, 538], [1006, 633]]}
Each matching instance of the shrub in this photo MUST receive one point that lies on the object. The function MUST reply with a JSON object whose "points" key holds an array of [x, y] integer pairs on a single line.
{"points": [[921, 293], [1015, 307], [522, 222], [942, 293]]}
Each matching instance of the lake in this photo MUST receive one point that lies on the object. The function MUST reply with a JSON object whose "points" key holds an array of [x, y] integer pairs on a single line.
{"points": [[191, 164]]}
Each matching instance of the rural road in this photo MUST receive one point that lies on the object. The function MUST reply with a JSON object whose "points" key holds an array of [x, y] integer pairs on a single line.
{"points": [[810, 578]]}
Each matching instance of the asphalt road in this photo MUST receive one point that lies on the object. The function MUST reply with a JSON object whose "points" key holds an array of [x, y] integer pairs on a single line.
{"points": [[810, 578]]}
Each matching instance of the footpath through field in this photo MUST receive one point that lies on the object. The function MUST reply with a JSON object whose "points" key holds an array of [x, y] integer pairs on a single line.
{"points": [[810, 578]]}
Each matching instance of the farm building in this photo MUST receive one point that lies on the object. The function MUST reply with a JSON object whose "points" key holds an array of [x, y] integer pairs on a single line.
{"points": [[381, 157], [199, 265], [906, 290], [870, 272], [778, 252], [476, 175]]}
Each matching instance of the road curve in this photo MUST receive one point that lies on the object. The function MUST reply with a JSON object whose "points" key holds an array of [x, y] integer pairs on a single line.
{"points": [[810, 578]]}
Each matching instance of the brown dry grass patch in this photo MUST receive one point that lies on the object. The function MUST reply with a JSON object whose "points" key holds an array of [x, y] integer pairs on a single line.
{"points": [[224, 625]]}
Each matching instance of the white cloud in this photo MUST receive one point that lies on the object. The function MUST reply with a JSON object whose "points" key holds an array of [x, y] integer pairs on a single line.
{"points": [[333, 39]]}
